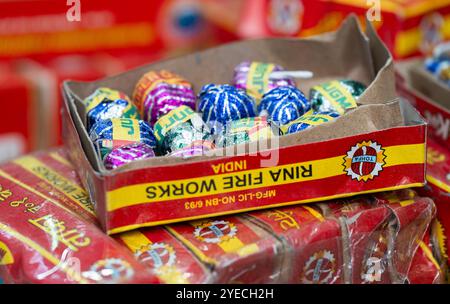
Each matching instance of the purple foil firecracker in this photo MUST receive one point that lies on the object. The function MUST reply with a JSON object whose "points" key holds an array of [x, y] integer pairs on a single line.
{"points": [[126, 154], [255, 78], [159, 92]]}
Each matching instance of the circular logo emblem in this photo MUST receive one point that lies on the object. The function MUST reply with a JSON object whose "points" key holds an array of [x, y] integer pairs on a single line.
{"points": [[111, 270], [364, 161], [319, 269], [157, 255], [285, 16], [215, 231]]}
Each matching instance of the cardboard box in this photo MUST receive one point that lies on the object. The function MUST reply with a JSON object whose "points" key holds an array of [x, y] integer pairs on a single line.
{"points": [[408, 27], [428, 95], [164, 190]]}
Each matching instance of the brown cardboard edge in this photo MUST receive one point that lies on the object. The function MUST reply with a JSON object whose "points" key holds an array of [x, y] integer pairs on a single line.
{"points": [[402, 69]]}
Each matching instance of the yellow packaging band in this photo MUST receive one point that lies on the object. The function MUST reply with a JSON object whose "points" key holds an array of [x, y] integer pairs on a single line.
{"points": [[77, 194], [263, 177], [258, 79], [99, 95], [337, 95], [311, 119], [125, 129], [171, 120]]}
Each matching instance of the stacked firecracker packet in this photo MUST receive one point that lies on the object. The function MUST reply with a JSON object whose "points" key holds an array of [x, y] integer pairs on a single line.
{"points": [[351, 139], [49, 234]]}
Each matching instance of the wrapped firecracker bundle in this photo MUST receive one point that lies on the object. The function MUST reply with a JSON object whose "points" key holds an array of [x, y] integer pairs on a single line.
{"points": [[243, 127], [366, 240], [47, 230], [438, 188]]}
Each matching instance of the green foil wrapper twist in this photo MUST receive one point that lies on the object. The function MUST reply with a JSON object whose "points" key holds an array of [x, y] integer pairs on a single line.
{"points": [[336, 96]]}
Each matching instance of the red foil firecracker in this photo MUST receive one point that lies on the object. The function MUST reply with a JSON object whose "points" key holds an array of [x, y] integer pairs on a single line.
{"points": [[42, 238]]}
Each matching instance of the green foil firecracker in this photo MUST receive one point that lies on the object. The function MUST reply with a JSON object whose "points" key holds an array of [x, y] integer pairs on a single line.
{"points": [[180, 128], [336, 96]]}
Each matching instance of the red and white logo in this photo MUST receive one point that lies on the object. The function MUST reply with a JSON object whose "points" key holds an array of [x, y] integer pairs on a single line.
{"points": [[364, 161]]}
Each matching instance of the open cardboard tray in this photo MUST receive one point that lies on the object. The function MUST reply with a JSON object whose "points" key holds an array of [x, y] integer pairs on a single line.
{"points": [[429, 95], [378, 146]]}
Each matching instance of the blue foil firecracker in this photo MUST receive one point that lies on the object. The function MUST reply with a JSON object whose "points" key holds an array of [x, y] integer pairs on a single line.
{"points": [[116, 132], [307, 121], [107, 109], [283, 105], [222, 103], [101, 105]]}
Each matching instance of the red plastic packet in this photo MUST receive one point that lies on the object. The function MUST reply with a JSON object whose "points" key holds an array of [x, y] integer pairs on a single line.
{"points": [[43, 240]]}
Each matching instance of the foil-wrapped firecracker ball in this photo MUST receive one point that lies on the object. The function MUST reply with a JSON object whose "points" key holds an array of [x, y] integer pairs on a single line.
{"points": [[117, 132], [106, 103], [195, 149], [307, 121], [440, 68], [336, 96], [125, 154], [255, 78], [246, 130], [159, 92], [283, 105], [180, 128], [220, 104]]}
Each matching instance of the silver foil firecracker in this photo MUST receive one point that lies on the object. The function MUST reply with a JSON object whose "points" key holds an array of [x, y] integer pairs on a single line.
{"points": [[180, 128], [336, 96], [246, 130], [117, 132], [159, 92], [220, 104], [309, 120], [126, 154], [106, 103], [283, 105], [255, 78]]}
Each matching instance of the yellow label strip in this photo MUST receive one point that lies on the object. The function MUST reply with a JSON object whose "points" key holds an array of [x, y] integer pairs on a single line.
{"points": [[28, 188], [135, 240], [76, 194], [218, 184], [61, 159], [438, 183], [334, 87], [212, 214]]}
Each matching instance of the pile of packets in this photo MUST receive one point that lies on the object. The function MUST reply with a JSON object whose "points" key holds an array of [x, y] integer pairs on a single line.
{"points": [[49, 234], [52, 230]]}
